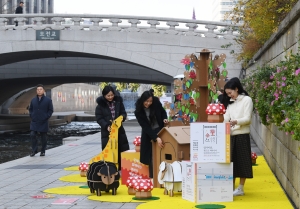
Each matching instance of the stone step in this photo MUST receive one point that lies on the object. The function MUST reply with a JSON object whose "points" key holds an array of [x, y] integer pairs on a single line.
{"points": [[24, 126], [16, 119]]}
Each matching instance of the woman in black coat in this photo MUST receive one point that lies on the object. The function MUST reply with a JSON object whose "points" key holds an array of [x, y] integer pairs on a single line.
{"points": [[108, 109], [151, 116]]}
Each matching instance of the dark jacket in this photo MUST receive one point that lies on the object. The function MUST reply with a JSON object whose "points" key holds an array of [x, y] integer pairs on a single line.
{"points": [[19, 10], [40, 111], [104, 118], [220, 98], [148, 133]]}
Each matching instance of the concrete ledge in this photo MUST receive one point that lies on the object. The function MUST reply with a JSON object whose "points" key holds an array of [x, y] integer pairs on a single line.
{"points": [[71, 139]]}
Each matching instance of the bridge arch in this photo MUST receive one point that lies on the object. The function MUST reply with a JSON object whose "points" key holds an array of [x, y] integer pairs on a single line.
{"points": [[138, 54]]}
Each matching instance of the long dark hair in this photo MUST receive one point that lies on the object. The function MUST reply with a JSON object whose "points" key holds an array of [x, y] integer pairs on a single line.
{"points": [[139, 105], [107, 89], [232, 84]]}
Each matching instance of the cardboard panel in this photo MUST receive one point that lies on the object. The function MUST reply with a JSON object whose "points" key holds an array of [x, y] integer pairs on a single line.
{"points": [[131, 166]]}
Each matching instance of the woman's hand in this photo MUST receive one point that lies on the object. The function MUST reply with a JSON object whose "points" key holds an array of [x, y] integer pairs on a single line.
{"points": [[166, 121], [233, 123], [159, 142], [109, 128]]}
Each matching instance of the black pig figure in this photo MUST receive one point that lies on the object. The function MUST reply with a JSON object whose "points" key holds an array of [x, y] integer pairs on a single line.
{"points": [[103, 176]]}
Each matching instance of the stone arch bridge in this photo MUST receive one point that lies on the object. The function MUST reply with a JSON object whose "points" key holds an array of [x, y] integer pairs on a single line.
{"points": [[95, 48]]}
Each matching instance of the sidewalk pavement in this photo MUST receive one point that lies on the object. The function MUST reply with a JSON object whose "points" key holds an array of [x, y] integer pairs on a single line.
{"points": [[29, 176]]}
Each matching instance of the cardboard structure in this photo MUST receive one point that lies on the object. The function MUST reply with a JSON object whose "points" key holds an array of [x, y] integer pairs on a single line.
{"points": [[110, 152], [207, 182], [131, 166], [176, 148], [210, 142], [202, 78]]}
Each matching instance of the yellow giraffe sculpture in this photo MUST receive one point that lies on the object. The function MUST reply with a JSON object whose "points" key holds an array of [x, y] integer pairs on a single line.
{"points": [[110, 152]]}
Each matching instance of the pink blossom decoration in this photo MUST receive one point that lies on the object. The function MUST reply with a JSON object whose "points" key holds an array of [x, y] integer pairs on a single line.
{"points": [[297, 72], [185, 61]]}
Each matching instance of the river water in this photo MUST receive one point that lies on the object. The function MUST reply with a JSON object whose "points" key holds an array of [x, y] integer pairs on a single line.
{"points": [[17, 145]]}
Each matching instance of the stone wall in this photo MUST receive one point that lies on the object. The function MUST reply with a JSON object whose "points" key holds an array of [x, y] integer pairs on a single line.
{"points": [[282, 154]]}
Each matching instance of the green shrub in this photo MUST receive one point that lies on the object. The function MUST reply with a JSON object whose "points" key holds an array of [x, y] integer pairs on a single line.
{"points": [[275, 91]]}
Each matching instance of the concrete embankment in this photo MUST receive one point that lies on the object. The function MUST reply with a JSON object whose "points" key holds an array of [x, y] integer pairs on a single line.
{"points": [[13, 123]]}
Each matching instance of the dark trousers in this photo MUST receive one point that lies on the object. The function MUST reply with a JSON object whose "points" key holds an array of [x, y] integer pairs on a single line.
{"points": [[34, 141], [16, 23]]}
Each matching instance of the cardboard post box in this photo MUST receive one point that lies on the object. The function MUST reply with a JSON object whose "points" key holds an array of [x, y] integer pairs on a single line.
{"points": [[207, 182], [210, 142]]}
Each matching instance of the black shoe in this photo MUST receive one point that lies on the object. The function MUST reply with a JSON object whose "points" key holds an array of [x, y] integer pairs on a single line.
{"points": [[42, 154], [33, 154]]}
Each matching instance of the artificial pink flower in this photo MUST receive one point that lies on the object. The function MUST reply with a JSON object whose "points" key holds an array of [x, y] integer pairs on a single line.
{"points": [[185, 61]]}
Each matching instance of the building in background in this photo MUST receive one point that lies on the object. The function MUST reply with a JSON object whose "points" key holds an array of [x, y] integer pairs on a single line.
{"points": [[220, 7], [30, 6]]}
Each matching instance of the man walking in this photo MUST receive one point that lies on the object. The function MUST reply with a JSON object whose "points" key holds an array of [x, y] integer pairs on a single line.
{"points": [[19, 10], [40, 110]]}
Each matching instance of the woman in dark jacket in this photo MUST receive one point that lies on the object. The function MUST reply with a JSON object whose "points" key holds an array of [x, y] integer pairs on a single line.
{"points": [[108, 109], [151, 116]]}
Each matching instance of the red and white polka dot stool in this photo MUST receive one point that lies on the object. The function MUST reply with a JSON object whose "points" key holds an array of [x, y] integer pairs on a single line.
{"points": [[83, 167], [130, 183], [137, 143], [215, 113], [143, 188]]}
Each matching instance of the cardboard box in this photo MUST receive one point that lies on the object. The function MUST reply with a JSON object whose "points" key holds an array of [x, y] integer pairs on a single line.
{"points": [[131, 166], [207, 182], [210, 142]]}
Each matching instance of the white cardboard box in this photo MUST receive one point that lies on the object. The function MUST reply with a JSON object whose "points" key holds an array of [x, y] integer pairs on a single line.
{"points": [[207, 182], [210, 142]]}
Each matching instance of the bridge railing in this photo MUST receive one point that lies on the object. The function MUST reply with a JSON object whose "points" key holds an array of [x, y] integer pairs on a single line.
{"points": [[119, 23]]}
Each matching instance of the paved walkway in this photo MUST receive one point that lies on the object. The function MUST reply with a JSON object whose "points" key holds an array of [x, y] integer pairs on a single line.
{"points": [[29, 176]]}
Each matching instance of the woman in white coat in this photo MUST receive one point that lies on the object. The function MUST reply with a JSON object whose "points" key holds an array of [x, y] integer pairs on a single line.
{"points": [[239, 111]]}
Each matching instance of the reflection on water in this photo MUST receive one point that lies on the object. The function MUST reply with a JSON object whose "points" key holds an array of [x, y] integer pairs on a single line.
{"points": [[17, 145]]}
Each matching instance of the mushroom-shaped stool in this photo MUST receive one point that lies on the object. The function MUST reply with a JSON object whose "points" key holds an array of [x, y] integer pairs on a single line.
{"points": [[83, 167], [215, 113], [137, 143], [130, 184], [143, 188], [253, 157]]}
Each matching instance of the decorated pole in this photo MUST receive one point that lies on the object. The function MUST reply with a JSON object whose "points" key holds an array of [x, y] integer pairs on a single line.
{"points": [[198, 88]]}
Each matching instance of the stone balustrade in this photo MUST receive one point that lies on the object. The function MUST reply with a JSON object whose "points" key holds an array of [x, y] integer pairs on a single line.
{"points": [[119, 23]]}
